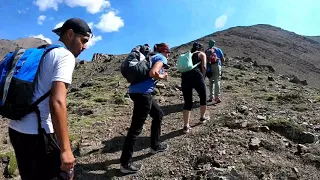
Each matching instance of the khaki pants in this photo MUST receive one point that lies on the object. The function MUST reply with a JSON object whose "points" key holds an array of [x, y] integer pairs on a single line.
{"points": [[215, 80]]}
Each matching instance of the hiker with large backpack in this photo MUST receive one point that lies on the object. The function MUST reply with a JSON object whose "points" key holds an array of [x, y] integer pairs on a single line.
{"points": [[33, 90], [215, 60], [192, 66], [143, 105]]}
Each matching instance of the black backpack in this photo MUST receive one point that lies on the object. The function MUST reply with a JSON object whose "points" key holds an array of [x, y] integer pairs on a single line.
{"points": [[135, 68]]}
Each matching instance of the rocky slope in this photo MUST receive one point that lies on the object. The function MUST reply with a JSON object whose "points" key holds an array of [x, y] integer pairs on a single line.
{"points": [[289, 53], [267, 126], [315, 38], [286, 51], [7, 45]]}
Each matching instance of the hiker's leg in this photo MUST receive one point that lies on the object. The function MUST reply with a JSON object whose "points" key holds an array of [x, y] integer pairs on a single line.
{"points": [[141, 109], [24, 145], [187, 96], [35, 159], [217, 78], [211, 83], [157, 115], [200, 87]]}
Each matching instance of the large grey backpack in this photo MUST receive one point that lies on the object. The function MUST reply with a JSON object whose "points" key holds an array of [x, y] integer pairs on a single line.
{"points": [[135, 68]]}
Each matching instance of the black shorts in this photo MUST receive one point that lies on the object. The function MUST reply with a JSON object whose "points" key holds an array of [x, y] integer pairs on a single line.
{"points": [[38, 157]]}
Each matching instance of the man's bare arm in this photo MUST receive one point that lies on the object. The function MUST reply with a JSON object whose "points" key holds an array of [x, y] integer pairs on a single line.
{"points": [[58, 109]]}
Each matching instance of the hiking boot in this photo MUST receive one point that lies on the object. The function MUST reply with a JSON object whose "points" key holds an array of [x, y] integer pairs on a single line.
{"points": [[216, 101], [162, 147], [186, 129], [130, 168], [204, 119]]}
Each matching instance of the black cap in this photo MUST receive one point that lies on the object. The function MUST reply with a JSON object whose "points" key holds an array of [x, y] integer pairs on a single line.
{"points": [[77, 25]]}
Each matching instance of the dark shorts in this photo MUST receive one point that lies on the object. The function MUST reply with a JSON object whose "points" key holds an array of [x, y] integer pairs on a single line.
{"points": [[38, 157]]}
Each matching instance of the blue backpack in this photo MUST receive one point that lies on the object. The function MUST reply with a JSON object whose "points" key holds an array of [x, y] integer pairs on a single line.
{"points": [[19, 70]]}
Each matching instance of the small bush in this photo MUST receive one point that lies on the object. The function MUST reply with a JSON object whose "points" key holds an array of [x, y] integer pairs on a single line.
{"points": [[286, 128], [12, 167], [118, 98], [300, 107], [100, 100], [293, 97]]}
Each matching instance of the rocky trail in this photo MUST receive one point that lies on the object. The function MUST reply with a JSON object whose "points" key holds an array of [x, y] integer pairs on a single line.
{"points": [[266, 128]]}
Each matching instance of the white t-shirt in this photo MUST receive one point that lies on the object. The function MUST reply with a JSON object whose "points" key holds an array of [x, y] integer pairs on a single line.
{"points": [[57, 65]]}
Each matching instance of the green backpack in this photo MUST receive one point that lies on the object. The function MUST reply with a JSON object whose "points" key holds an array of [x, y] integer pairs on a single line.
{"points": [[184, 63]]}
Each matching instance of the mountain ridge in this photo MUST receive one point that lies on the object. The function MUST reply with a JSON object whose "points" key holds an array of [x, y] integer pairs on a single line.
{"points": [[288, 52]]}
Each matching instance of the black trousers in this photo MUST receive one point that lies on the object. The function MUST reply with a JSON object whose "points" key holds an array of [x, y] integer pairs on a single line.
{"points": [[144, 104], [37, 159], [193, 80]]}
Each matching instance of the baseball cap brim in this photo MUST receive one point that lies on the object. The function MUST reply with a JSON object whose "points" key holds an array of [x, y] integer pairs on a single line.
{"points": [[58, 31]]}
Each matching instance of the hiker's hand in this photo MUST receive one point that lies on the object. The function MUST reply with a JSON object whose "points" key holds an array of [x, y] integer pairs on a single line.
{"points": [[165, 76], [67, 160]]}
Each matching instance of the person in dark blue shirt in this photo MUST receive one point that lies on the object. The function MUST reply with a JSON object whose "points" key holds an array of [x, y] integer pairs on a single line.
{"points": [[145, 104]]}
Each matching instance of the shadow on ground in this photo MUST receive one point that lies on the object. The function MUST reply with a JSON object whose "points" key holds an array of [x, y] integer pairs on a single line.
{"points": [[83, 171], [175, 108]]}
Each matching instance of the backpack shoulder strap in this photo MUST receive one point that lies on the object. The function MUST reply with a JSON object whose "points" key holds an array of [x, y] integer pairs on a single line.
{"points": [[15, 57]]}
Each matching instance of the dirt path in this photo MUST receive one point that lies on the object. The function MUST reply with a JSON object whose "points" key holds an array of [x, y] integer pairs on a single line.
{"points": [[105, 162]]}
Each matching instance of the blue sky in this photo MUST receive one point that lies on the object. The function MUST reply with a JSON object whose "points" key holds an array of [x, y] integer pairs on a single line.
{"points": [[119, 25]]}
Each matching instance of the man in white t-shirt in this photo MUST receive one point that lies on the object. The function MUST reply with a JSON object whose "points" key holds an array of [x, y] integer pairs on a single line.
{"points": [[55, 73]]}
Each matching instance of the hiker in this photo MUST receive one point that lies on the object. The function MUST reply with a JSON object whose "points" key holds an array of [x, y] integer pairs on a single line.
{"points": [[47, 154], [144, 104], [215, 60], [194, 79], [147, 49]]}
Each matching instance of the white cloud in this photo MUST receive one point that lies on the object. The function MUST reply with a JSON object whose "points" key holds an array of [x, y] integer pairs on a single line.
{"points": [[41, 19], [92, 6], [47, 4], [42, 37], [90, 24], [93, 41], [221, 21], [24, 11], [109, 22], [58, 25]]}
